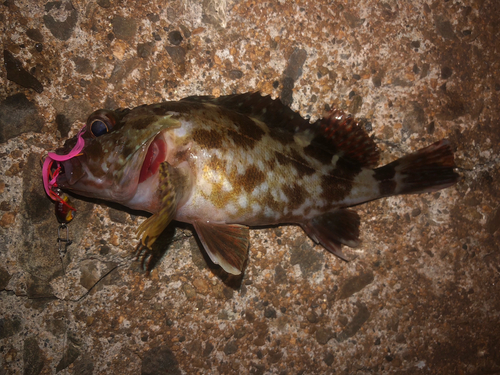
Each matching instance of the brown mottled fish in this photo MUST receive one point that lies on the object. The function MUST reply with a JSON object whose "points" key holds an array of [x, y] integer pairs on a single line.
{"points": [[229, 163]]}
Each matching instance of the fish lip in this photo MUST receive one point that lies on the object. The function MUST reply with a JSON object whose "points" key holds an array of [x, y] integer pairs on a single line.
{"points": [[71, 172]]}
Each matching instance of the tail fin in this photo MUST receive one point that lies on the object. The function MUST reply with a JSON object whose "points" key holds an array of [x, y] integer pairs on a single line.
{"points": [[426, 170]]}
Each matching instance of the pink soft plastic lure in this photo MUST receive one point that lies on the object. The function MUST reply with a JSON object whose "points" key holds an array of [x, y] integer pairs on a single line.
{"points": [[49, 182]]}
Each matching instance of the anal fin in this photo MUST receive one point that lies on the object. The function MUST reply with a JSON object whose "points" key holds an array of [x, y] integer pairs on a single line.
{"points": [[226, 244], [333, 229]]}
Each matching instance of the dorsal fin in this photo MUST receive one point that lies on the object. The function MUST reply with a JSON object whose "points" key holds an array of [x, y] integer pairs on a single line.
{"points": [[333, 134], [270, 111], [348, 137]]}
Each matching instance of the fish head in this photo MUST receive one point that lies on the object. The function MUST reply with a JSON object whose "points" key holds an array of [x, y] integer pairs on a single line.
{"points": [[122, 150]]}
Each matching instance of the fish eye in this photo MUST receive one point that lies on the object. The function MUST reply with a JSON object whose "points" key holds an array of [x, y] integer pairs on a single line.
{"points": [[98, 128], [101, 122]]}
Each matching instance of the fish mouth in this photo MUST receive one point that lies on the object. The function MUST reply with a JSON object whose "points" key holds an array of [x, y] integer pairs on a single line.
{"points": [[71, 171], [74, 173]]}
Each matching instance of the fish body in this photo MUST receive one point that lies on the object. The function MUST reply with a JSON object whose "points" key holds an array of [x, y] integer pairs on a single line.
{"points": [[229, 163]]}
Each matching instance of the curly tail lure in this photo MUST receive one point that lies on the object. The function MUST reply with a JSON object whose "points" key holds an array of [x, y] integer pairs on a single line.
{"points": [[64, 211]]}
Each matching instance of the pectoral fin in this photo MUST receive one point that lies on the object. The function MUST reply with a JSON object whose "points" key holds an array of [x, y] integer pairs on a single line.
{"points": [[169, 193], [226, 245], [333, 229]]}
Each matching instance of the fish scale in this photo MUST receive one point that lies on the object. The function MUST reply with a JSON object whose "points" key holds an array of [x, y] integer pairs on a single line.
{"points": [[226, 164]]}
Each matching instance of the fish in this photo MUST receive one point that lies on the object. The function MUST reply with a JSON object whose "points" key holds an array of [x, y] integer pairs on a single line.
{"points": [[227, 164]]}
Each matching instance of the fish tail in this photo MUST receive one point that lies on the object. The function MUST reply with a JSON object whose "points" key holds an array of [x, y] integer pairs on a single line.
{"points": [[426, 170]]}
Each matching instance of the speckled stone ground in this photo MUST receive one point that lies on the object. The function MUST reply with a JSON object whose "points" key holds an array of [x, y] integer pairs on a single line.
{"points": [[421, 295]]}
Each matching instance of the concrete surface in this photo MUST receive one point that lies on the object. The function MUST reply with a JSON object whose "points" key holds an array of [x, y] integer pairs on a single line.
{"points": [[422, 295]]}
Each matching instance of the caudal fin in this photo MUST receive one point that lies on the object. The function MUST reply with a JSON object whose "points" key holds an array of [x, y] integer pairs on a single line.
{"points": [[426, 170]]}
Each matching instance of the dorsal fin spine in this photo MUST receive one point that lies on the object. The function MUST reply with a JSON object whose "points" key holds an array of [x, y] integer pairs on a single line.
{"points": [[346, 135]]}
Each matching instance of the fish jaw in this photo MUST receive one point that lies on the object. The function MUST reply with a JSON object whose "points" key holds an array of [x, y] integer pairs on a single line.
{"points": [[97, 180]]}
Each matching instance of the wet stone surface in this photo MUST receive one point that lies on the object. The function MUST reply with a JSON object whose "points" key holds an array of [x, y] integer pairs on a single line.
{"points": [[16, 73], [175, 37], [421, 292], [292, 72], [124, 28], [158, 360], [18, 115], [61, 29], [32, 356]]}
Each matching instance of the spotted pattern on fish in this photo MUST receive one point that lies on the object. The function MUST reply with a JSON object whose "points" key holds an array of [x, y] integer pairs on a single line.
{"points": [[227, 163], [208, 138]]}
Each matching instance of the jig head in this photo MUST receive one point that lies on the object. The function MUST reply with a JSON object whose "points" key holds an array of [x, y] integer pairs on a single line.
{"points": [[49, 177]]}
